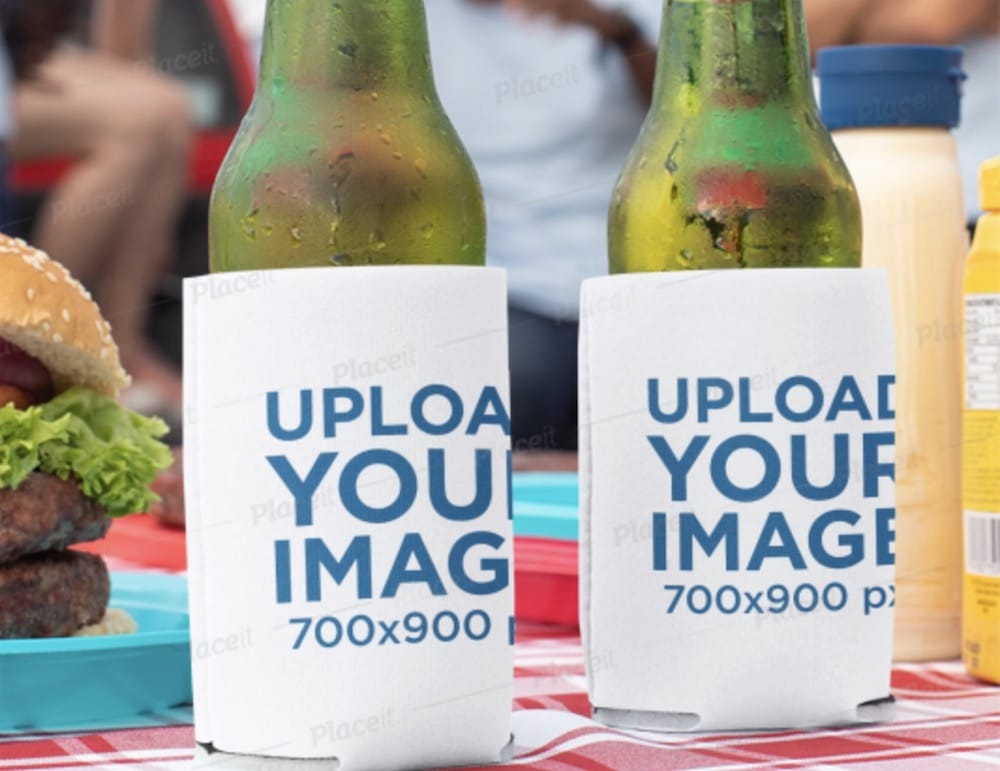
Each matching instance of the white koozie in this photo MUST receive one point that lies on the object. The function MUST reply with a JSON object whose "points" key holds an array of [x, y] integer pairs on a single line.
{"points": [[349, 531], [737, 461]]}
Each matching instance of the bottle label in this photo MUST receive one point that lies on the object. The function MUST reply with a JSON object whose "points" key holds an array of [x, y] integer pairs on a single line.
{"points": [[981, 485], [349, 518], [981, 594], [738, 447], [982, 543], [982, 336]]}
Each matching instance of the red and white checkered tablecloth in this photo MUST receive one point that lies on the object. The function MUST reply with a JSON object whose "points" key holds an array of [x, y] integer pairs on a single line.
{"points": [[945, 720]]}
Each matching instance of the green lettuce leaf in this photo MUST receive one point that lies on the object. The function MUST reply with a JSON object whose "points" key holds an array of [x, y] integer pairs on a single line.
{"points": [[113, 454], [22, 434]]}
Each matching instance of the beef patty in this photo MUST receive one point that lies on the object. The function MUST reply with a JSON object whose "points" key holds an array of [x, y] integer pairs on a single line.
{"points": [[46, 513], [52, 594]]}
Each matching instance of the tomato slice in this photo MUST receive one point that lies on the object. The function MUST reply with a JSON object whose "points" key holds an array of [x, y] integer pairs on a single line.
{"points": [[25, 373]]}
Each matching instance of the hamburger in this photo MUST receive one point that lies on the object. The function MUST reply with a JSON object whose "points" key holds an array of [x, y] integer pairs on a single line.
{"points": [[71, 458]]}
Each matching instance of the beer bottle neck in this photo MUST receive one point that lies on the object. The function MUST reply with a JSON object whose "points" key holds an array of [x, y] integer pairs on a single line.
{"points": [[733, 53], [346, 44]]}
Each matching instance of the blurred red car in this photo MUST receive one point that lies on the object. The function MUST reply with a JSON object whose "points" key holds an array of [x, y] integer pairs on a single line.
{"points": [[197, 43]]}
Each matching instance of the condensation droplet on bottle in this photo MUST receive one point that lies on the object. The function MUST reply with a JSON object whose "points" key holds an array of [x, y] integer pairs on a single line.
{"points": [[376, 241], [427, 229], [296, 233], [421, 166], [398, 156], [249, 224], [332, 230], [340, 260]]}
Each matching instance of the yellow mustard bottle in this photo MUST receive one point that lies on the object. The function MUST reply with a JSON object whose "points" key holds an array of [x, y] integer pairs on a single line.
{"points": [[981, 439]]}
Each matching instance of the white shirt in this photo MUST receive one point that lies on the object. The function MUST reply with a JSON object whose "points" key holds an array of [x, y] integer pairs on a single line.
{"points": [[249, 17], [548, 115], [979, 135]]}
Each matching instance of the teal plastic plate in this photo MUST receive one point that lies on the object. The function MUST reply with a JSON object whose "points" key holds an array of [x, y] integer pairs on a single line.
{"points": [[103, 682], [546, 506]]}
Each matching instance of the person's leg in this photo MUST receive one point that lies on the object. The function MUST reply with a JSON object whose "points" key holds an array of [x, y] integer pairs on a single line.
{"points": [[543, 356], [141, 253], [66, 110], [111, 221]]}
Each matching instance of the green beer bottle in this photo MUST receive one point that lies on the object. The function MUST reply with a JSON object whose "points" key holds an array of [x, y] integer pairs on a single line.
{"points": [[733, 167], [346, 156]]}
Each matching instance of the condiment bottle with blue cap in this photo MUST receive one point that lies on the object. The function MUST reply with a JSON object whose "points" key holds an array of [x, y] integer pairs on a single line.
{"points": [[891, 110], [981, 437]]}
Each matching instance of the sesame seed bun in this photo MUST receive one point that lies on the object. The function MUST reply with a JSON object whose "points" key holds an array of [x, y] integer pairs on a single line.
{"points": [[51, 316]]}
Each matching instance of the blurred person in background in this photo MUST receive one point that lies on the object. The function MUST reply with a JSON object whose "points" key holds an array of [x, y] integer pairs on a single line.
{"points": [[972, 24], [112, 218], [6, 129], [548, 97]]}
